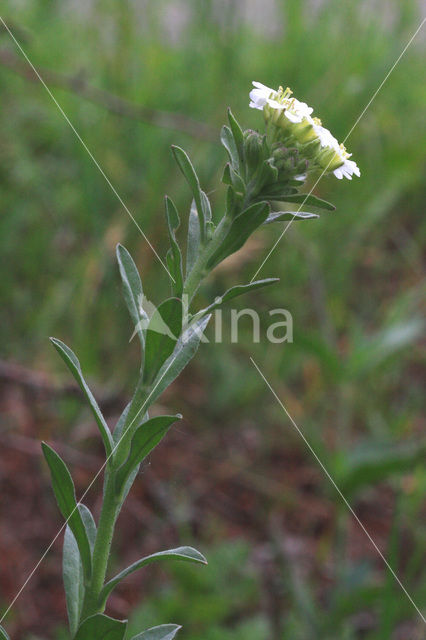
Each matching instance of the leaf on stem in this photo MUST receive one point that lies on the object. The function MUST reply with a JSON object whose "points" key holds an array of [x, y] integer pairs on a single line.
{"points": [[193, 240], [145, 439], [191, 177], [282, 216], [162, 334], [132, 288], [163, 632], [73, 364], [227, 140], [306, 199], [63, 488], [174, 255], [242, 226], [101, 627], [5, 636], [233, 292], [72, 568], [185, 350], [237, 132], [186, 554]]}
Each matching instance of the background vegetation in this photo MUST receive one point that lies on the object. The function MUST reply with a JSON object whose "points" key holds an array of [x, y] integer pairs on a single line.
{"points": [[286, 558]]}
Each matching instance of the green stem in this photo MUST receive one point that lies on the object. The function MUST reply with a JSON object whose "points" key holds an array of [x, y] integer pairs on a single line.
{"points": [[199, 270], [110, 510]]}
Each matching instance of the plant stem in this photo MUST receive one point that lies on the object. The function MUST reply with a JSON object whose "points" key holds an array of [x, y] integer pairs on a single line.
{"points": [[199, 270], [110, 510]]}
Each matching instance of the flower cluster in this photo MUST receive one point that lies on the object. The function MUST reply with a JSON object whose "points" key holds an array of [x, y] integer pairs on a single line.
{"points": [[295, 125]]}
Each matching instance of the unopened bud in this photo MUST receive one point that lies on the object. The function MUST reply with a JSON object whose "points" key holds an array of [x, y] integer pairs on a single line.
{"points": [[329, 159], [253, 149]]}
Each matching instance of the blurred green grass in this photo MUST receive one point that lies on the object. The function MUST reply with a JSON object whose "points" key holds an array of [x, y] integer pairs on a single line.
{"points": [[352, 280]]}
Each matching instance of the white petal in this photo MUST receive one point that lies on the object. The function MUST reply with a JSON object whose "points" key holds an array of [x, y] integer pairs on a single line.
{"points": [[293, 117], [274, 104], [254, 105], [261, 86]]}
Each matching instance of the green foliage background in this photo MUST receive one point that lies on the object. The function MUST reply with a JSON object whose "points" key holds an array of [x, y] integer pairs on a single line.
{"points": [[352, 280]]}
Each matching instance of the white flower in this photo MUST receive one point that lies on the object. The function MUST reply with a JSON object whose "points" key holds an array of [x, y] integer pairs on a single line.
{"points": [[281, 100], [325, 136], [294, 117], [260, 95], [347, 170], [297, 110]]}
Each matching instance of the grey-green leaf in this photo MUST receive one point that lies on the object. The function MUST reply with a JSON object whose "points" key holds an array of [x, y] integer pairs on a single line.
{"points": [[101, 627], [5, 636], [282, 216], [185, 350], [72, 568], [237, 133], [72, 575], [132, 288], [233, 292], [63, 488], [73, 364], [162, 333], [191, 177], [193, 240], [146, 437], [174, 257], [309, 199], [163, 632], [241, 228], [186, 554], [227, 140]]}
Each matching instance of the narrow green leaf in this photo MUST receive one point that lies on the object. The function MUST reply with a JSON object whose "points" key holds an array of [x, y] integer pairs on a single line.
{"points": [[241, 228], [185, 350], [233, 292], [193, 241], [89, 524], [237, 132], [4, 635], [191, 177], [309, 200], [63, 488], [73, 364], [163, 632], [281, 216], [162, 333], [227, 140], [132, 288], [146, 437], [186, 554], [280, 189], [101, 627], [72, 568], [174, 257], [129, 483], [231, 177], [73, 577]]}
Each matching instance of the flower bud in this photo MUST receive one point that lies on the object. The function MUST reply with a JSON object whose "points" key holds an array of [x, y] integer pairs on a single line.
{"points": [[253, 149], [304, 132], [329, 159]]}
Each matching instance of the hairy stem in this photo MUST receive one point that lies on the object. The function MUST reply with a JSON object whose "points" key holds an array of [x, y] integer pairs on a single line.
{"points": [[199, 270], [110, 509]]}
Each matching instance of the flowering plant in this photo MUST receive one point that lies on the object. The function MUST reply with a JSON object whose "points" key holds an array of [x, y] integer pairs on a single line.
{"points": [[294, 124], [264, 171]]}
